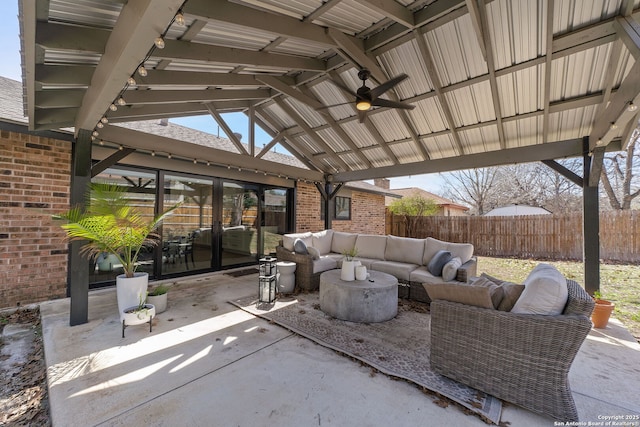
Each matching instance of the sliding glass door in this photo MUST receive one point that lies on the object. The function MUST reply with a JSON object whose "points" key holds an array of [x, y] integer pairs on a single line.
{"points": [[240, 222], [187, 238]]}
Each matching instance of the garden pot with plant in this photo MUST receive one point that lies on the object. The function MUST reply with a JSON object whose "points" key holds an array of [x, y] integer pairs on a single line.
{"points": [[601, 312], [158, 297], [110, 223], [348, 272]]}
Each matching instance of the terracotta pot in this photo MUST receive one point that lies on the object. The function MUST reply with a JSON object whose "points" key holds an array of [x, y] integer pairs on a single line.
{"points": [[601, 313]]}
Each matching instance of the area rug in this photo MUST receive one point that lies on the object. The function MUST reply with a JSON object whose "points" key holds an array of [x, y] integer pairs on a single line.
{"points": [[240, 273], [398, 347]]}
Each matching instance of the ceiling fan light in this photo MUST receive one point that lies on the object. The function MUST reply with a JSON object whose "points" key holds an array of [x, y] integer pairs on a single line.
{"points": [[363, 105]]}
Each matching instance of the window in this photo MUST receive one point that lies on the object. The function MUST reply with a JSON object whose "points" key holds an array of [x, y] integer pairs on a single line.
{"points": [[343, 208]]}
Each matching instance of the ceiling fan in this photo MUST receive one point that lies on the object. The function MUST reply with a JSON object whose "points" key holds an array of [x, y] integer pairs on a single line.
{"points": [[367, 98]]}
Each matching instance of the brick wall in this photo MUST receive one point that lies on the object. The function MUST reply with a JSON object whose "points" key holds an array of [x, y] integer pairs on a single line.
{"points": [[34, 183], [367, 212]]}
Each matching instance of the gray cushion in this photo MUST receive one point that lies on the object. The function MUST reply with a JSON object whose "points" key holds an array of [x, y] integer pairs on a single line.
{"points": [[432, 246], [300, 247], [438, 261], [450, 269], [400, 270], [323, 264], [545, 292], [482, 293], [342, 242]]}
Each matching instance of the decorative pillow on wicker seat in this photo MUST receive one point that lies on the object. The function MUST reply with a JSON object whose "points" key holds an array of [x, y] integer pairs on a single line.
{"points": [[481, 293], [300, 247], [450, 269], [545, 292], [438, 261], [512, 292]]}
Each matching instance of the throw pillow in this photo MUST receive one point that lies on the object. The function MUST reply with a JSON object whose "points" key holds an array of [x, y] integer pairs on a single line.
{"points": [[545, 292], [315, 253], [493, 279], [450, 269], [438, 261], [482, 293], [512, 292], [300, 247]]}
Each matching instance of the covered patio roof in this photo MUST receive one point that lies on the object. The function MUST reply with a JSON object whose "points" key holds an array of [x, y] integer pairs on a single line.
{"points": [[491, 82]]}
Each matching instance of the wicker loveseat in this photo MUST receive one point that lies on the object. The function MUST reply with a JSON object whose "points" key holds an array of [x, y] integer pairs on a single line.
{"points": [[404, 258], [520, 358]]}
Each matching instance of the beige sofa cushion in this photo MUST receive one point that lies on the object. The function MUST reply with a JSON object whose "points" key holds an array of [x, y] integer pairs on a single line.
{"points": [[545, 292], [371, 246], [322, 241], [343, 241], [482, 293], [404, 249], [400, 270], [289, 239], [462, 250]]}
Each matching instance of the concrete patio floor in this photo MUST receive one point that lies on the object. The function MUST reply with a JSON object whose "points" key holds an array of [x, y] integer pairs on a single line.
{"points": [[207, 363]]}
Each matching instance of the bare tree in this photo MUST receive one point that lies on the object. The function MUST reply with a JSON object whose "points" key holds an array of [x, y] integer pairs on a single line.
{"points": [[474, 187], [620, 184]]}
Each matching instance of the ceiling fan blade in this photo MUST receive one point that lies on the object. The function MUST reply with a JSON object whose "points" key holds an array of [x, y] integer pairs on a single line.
{"points": [[392, 104], [362, 115], [379, 90], [343, 88]]}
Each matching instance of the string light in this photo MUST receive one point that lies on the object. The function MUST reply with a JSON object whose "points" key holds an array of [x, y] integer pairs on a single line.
{"points": [[208, 163], [131, 81], [113, 107], [93, 138], [179, 20], [632, 107], [95, 133], [195, 161], [142, 71], [99, 125], [121, 147], [104, 120], [153, 154], [121, 101], [159, 42], [101, 142], [169, 156], [613, 126]]}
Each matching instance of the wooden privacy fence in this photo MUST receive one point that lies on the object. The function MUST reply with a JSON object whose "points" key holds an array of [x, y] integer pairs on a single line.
{"points": [[556, 237]]}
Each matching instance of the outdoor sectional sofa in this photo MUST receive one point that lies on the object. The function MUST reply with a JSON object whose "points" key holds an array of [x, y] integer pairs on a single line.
{"points": [[405, 258]]}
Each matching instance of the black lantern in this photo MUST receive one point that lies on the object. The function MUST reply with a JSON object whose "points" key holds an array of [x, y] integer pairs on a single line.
{"points": [[267, 280]]}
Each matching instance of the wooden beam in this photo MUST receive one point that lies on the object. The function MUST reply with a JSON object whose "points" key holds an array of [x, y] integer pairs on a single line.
{"points": [[391, 9], [282, 87], [134, 97], [198, 79], [138, 24], [51, 35], [354, 51], [476, 21], [104, 164], [200, 52], [629, 31], [230, 134], [567, 173]]}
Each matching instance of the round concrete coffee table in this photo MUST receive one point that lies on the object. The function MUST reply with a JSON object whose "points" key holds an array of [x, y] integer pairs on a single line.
{"points": [[365, 301]]}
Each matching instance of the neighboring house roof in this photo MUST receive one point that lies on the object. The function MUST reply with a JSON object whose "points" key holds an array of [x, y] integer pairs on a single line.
{"points": [[517, 210], [440, 201], [11, 111], [11, 101]]}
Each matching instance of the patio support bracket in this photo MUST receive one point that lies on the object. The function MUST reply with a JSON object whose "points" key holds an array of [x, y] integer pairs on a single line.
{"points": [[328, 193]]}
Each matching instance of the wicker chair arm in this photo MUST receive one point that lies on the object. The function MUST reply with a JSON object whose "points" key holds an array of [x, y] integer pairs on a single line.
{"points": [[467, 270]]}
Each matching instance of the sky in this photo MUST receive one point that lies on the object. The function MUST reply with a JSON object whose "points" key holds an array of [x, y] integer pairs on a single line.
{"points": [[238, 122]]}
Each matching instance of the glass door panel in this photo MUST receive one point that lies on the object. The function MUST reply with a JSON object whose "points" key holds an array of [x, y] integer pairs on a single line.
{"points": [[239, 224], [274, 225], [187, 233]]}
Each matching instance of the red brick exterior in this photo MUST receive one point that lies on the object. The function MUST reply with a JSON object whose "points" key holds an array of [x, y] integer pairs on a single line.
{"points": [[367, 212], [35, 181]]}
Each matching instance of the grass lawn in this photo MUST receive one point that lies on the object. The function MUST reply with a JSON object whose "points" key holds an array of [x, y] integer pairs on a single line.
{"points": [[618, 283]]}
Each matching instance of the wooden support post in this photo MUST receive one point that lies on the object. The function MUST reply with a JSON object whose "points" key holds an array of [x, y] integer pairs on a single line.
{"points": [[78, 281], [590, 225]]}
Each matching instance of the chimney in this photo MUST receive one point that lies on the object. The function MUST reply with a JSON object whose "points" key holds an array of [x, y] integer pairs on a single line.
{"points": [[382, 183], [164, 122]]}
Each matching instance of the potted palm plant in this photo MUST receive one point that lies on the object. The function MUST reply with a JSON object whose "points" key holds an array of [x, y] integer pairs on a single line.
{"points": [[109, 223]]}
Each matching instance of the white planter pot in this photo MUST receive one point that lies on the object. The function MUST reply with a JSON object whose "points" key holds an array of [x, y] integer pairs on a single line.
{"points": [[133, 316], [130, 290], [348, 271], [361, 272], [158, 301]]}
